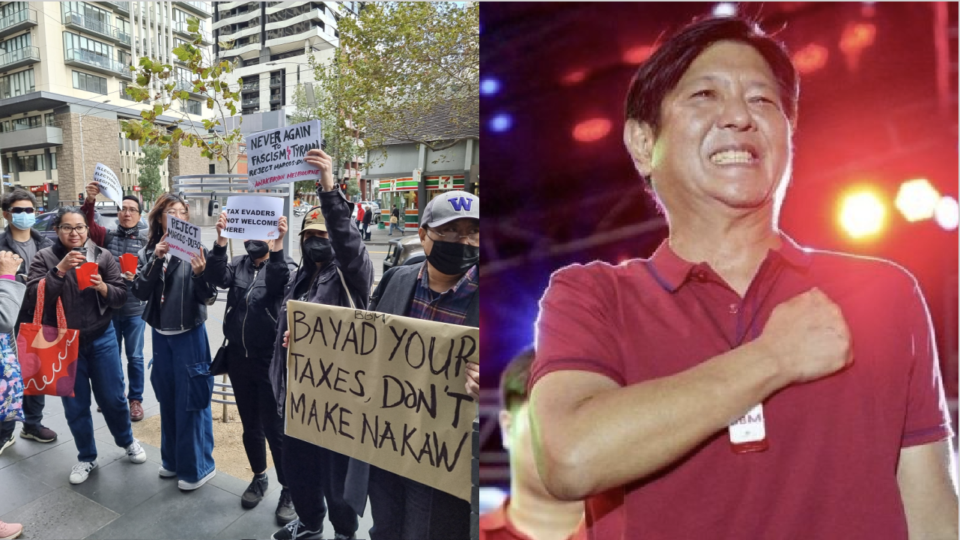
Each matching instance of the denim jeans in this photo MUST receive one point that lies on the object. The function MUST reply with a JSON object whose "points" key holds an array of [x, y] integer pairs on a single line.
{"points": [[182, 382], [130, 340], [405, 509], [397, 227], [98, 366]]}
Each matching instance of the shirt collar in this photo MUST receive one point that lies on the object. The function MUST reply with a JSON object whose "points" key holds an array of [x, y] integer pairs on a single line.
{"points": [[671, 271], [466, 280]]}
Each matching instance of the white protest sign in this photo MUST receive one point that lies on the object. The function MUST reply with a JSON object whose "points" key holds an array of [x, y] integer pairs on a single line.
{"points": [[276, 156], [108, 182], [253, 218], [184, 238], [384, 389]]}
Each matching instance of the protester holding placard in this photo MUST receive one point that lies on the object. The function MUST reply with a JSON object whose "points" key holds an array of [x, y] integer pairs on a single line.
{"points": [[124, 242], [177, 297], [336, 271], [255, 282], [21, 238], [444, 288], [88, 309]]}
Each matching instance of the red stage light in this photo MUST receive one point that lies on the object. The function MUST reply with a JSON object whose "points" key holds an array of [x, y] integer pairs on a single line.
{"points": [[591, 130], [948, 213], [857, 37], [862, 214], [917, 199], [638, 54], [574, 77], [811, 58]]}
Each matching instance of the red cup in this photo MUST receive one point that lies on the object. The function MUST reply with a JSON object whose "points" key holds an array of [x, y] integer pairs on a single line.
{"points": [[128, 263], [84, 271]]}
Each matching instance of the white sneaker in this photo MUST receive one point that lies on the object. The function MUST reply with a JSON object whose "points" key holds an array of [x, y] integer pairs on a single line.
{"points": [[136, 453], [167, 473], [190, 486], [81, 471]]}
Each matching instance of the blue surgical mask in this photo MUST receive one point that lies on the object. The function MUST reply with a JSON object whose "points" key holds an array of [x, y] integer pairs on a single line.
{"points": [[24, 221]]}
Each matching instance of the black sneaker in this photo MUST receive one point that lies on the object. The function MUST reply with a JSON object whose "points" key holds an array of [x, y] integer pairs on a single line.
{"points": [[254, 493], [296, 531], [38, 433], [344, 537], [7, 442], [285, 512]]}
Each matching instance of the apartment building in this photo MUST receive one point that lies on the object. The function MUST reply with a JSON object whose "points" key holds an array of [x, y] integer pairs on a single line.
{"points": [[64, 67]]}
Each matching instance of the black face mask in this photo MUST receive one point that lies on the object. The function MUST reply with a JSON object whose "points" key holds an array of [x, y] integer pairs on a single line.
{"points": [[453, 258], [317, 250], [256, 248]]}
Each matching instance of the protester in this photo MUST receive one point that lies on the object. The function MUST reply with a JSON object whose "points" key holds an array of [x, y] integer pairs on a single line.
{"points": [[128, 321], [336, 268], [444, 288], [734, 384], [250, 328], [90, 311], [177, 297], [11, 384], [19, 237], [531, 512]]}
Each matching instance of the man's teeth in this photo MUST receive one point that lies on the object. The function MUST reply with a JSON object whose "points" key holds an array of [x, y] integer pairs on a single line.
{"points": [[731, 156]]}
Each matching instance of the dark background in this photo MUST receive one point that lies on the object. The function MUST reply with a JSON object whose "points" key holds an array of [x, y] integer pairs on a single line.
{"points": [[552, 200]]}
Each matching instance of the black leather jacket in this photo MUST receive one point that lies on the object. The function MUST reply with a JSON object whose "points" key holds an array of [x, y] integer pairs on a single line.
{"points": [[176, 299], [253, 300]]}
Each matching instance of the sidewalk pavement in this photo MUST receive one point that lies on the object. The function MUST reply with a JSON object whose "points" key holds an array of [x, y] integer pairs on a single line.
{"points": [[381, 237]]}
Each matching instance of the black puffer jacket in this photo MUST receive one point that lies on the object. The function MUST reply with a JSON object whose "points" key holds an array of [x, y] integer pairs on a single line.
{"points": [[176, 299], [253, 300]]}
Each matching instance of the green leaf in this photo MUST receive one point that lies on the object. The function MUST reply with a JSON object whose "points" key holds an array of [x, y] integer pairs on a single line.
{"points": [[158, 110], [184, 95]]}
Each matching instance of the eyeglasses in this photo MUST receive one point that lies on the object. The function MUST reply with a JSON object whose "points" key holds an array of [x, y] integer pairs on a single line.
{"points": [[176, 212], [129, 210], [79, 229], [22, 209], [452, 235]]}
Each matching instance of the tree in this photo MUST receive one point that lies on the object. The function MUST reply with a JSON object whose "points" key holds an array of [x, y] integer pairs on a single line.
{"points": [[399, 66], [149, 179], [155, 85], [342, 146]]}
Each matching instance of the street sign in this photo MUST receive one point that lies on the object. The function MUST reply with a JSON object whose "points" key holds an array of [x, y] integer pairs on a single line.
{"points": [[136, 188]]}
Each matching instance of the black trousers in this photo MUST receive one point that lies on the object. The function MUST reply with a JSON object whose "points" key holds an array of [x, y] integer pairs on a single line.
{"points": [[258, 410], [317, 474], [404, 509]]}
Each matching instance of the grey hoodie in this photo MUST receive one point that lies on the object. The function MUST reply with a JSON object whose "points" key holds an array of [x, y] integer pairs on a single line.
{"points": [[11, 295]]}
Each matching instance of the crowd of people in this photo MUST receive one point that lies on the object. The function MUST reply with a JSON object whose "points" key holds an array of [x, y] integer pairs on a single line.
{"points": [[172, 296]]}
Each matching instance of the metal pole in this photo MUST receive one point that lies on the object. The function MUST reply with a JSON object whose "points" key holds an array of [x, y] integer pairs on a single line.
{"points": [[83, 159]]}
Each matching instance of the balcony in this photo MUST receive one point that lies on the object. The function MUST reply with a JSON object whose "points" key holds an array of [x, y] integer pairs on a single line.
{"points": [[31, 138], [198, 8], [19, 58], [96, 62], [276, 82], [21, 20], [251, 102], [75, 20], [188, 87], [121, 7], [275, 100], [180, 27], [251, 86], [315, 37]]}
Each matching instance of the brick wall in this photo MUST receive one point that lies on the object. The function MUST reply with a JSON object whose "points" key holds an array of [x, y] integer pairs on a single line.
{"points": [[187, 161], [99, 146]]}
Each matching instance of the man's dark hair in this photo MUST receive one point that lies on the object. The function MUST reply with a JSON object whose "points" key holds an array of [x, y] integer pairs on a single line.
{"points": [[64, 210], [660, 73], [514, 379], [18, 195], [134, 199]]}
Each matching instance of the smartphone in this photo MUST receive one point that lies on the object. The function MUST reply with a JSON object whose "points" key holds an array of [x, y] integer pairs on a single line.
{"points": [[80, 250]]}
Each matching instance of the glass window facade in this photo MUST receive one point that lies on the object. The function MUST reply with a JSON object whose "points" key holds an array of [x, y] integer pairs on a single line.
{"points": [[16, 84], [90, 83]]}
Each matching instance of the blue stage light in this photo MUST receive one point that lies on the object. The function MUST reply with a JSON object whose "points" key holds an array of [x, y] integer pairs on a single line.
{"points": [[501, 122], [489, 87]]}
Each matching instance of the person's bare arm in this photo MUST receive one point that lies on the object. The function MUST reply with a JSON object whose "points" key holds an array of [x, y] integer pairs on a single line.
{"points": [[929, 491], [591, 435]]}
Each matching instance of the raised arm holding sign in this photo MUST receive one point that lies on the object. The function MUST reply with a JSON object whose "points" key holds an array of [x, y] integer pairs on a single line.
{"points": [[108, 182], [278, 156]]}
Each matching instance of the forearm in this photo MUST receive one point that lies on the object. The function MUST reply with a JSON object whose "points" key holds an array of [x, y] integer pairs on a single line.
{"points": [[621, 435], [97, 233]]}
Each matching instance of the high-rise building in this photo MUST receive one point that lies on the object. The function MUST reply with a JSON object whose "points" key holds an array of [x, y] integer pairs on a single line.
{"points": [[272, 41], [64, 68]]}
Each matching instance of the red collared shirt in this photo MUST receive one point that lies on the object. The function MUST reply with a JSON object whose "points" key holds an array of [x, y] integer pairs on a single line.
{"points": [[830, 470], [495, 525]]}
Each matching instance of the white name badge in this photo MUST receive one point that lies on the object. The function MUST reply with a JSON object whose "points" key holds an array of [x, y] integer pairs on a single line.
{"points": [[749, 428]]}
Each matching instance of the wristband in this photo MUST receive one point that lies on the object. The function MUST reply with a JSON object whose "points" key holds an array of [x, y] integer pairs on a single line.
{"points": [[11, 277]]}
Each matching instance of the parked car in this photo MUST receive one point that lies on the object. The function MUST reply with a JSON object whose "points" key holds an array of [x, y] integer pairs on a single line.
{"points": [[404, 251], [45, 220], [107, 208]]}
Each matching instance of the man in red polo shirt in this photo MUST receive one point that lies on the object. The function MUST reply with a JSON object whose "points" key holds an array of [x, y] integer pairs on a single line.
{"points": [[735, 385], [530, 513]]}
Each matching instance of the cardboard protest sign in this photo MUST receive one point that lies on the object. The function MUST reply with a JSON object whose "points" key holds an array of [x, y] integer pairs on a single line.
{"points": [[384, 389], [276, 156], [108, 182], [253, 218], [184, 238]]}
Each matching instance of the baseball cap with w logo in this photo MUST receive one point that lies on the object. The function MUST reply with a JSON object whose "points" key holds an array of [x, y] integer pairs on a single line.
{"points": [[449, 206]]}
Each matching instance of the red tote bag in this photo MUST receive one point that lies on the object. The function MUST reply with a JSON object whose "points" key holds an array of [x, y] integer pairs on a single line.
{"points": [[48, 354]]}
